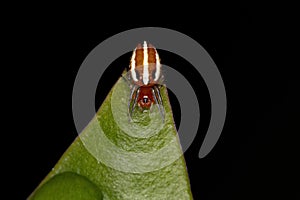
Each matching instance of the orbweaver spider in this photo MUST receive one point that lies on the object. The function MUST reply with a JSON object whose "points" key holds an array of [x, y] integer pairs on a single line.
{"points": [[145, 78]]}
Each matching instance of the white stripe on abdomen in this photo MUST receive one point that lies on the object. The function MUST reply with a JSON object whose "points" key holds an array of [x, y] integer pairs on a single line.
{"points": [[145, 64], [133, 74], [157, 72]]}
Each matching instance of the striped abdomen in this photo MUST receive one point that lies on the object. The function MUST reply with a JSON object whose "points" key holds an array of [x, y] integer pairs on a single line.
{"points": [[145, 67]]}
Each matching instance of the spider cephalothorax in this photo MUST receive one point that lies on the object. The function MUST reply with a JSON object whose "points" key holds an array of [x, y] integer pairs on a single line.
{"points": [[145, 76]]}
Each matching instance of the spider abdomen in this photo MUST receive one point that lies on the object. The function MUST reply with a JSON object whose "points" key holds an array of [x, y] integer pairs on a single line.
{"points": [[145, 65]]}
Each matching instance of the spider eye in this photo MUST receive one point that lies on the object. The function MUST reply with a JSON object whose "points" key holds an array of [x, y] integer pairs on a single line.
{"points": [[145, 100]]}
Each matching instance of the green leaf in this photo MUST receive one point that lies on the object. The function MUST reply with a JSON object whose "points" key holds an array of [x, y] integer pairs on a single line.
{"points": [[68, 185], [114, 158]]}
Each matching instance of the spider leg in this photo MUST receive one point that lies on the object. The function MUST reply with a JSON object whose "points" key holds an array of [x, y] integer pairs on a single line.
{"points": [[160, 108], [160, 100], [159, 96], [131, 96], [131, 109]]}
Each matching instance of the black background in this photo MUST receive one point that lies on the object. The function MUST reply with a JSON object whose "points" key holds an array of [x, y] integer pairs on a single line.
{"points": [[255, 157]]}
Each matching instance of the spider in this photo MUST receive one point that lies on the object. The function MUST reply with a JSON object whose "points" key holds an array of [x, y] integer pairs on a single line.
{"points": [[146, 78]]}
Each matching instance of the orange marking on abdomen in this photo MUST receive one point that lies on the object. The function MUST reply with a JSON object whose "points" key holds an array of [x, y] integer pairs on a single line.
{"points": [[139, 58], [151, 55]]}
